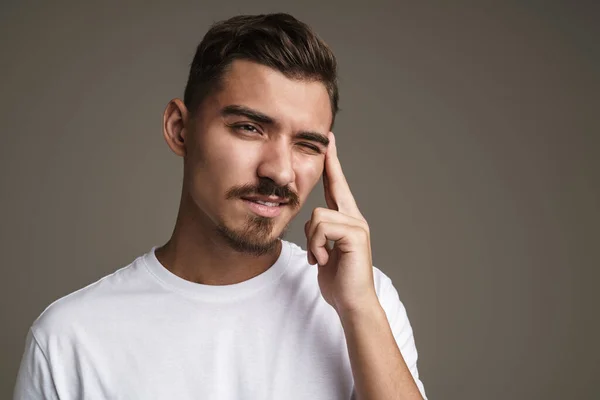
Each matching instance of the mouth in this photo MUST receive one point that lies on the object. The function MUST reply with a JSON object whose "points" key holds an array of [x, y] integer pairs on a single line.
{"points": [[270, 201], [264, 208]]}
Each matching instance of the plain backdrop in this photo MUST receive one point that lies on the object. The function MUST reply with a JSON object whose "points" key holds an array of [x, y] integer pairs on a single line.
{"points": [[469, 135]]}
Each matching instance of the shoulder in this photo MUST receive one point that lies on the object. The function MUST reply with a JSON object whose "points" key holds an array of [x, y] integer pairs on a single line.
{"points": [[68, 312]]}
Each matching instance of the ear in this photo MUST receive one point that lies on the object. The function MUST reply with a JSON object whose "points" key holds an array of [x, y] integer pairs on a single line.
{"points": [[175, 126]]}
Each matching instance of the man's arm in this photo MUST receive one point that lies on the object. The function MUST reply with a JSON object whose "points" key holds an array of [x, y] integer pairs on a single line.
{"points": [[378, 367], [346, 280]]}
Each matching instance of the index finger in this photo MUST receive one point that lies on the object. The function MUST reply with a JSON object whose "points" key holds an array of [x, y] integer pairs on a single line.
{"points": [[337, 190]]}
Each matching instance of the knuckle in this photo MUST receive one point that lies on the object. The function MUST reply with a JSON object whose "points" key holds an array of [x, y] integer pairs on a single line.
{"points": [[318, 212]]}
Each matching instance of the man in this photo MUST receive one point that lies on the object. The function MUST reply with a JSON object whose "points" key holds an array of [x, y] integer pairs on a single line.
{"points": [[227, 309]]}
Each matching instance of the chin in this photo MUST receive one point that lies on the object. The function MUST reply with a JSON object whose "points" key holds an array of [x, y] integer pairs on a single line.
{"points": [[256, 236]]}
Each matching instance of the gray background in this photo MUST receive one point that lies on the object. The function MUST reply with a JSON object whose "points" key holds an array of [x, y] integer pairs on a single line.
{"points": [[469, 134]]}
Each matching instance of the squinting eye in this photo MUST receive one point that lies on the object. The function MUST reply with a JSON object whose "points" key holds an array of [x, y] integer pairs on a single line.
{"points": [[311, 147]]}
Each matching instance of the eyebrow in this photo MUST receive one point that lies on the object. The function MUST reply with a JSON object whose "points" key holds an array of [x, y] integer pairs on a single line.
{"points": [[243, 111], [257, 116]]}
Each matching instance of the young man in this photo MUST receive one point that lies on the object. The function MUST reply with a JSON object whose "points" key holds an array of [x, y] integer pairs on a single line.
{"points": [[227, 309]]}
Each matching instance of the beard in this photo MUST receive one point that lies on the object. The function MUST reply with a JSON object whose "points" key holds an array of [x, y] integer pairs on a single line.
{"points": [[254, 238]]}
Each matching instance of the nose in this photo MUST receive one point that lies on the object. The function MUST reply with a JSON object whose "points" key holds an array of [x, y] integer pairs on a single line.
{"points": [[277, 162]]}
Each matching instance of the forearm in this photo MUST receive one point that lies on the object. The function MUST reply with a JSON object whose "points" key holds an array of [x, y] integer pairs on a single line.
{"points": [[378, 367]]}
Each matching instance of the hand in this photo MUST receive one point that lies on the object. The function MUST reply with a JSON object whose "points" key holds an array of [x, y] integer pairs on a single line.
{"points": [[345, 272]]}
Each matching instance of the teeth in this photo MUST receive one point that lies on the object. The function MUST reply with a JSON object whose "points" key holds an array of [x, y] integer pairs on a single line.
{"points": [[266, 203]]}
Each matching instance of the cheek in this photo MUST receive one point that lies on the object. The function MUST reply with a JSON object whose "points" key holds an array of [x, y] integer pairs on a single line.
{"points": [[218, 165], [227, 156]]}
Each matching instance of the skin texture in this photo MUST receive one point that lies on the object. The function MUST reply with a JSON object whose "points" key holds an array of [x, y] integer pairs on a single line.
{"points": [[218, 240], [225, 154]]}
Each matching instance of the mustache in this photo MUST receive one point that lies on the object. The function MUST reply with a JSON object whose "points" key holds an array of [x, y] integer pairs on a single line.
{"points": [[266, 187]]}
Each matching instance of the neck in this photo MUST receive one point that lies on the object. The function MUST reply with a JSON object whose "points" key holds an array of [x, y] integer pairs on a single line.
{"points": [[197, 253]]}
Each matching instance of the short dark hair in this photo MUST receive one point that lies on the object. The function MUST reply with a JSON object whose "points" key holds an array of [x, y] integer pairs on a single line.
{"points": [[277, 40]]}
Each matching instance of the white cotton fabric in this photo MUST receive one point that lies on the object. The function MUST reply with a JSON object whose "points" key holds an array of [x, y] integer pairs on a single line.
{"points": [[142, 332]]}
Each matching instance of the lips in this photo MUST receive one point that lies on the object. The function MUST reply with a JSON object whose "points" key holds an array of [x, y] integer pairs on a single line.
{"points": [[262, 209], [273, 201]]}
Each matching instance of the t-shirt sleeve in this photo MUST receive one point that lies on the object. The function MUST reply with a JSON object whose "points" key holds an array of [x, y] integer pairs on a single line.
{"points": [[34, 379], [401, 328]]}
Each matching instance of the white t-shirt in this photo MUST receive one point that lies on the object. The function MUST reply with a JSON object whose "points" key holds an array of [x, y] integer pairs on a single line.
{"points": [[142, 332]]}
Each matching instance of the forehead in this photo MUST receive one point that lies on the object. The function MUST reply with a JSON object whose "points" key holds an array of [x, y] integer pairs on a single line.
{"points": [[300, 104]]}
